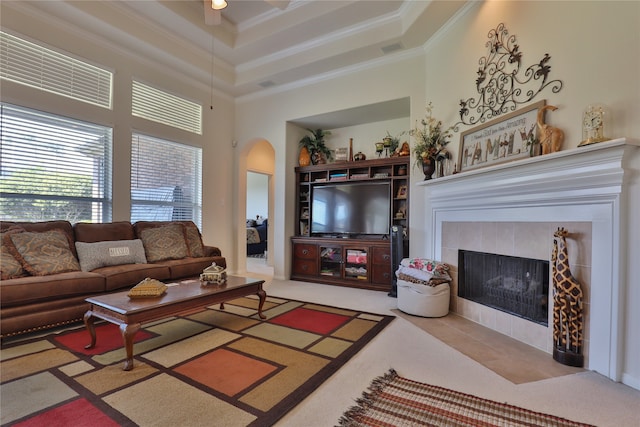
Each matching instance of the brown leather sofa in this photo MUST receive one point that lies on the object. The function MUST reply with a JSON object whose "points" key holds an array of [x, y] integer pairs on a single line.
{"points": [[36, 302]]}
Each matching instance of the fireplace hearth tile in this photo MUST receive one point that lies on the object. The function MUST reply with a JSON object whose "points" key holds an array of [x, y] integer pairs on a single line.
{"points": [[513, 360]]}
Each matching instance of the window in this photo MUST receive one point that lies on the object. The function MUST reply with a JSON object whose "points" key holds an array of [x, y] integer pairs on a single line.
{"points": [[53, 168], [166, 180], [32, 65], [162, 107]]}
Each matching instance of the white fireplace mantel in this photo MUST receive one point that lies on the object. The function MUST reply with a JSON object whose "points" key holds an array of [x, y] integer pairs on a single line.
{"points": [[598, 183]]}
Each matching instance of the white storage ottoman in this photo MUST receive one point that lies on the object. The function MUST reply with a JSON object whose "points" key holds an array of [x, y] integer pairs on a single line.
{"points": [[422, 300]]}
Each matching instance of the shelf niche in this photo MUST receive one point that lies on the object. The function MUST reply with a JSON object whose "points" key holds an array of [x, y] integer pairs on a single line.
{"points": [[330, 259]]}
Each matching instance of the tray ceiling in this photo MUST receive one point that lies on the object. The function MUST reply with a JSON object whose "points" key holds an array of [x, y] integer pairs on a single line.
{"points": [[256, 46]]}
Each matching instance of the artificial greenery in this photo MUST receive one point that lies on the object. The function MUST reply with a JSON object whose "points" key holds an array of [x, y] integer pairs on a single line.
{"points": [[315, 143], [395, 141]]}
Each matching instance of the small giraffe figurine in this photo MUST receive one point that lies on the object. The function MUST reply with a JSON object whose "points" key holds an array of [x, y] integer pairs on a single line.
{"points": [[567, 299]]}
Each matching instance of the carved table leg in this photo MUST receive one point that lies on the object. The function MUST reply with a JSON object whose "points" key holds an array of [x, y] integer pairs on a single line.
{"points": [[88, 322], [263, 295], [128, 332]]}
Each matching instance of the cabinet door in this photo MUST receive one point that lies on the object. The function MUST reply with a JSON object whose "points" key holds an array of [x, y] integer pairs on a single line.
{"points": [[381, 265], [305, 261], [356, 265], [331, 261]]}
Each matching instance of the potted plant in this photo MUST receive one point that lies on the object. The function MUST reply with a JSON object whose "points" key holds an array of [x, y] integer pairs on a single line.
{"points": [[315, 146], [430, 141], [391, 143]]}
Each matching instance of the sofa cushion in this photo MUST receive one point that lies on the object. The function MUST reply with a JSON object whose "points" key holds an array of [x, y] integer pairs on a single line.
{"points": [[128, 275], [191, 267], [112, 252], [43, 253], [10, 267], [100, 232], [164, 242], [25, 290]]}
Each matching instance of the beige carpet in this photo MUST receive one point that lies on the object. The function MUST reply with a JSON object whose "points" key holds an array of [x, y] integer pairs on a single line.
{"points": [[587, 396]]}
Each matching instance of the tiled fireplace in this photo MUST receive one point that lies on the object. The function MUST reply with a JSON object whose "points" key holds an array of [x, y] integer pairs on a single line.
{"points": [[514, 209], [520, 239]]}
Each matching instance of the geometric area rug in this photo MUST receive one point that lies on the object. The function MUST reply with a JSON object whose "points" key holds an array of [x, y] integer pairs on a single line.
{"points": [[207, 367], [396, 401]]}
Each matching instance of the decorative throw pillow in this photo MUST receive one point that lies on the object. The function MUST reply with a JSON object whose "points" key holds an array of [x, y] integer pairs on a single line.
{"points": [[166, 242], [438, 269], [44, 253], [10, 267], [114, 252], [194, 240]]}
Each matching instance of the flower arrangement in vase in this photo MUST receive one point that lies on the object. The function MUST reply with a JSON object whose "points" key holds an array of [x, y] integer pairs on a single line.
{"points": [[430, 142]]}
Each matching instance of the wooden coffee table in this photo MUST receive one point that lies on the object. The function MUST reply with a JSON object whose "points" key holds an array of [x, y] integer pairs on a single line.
{"points": [[129, 313]]}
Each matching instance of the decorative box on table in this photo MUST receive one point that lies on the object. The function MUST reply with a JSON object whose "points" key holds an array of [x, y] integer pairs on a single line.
{"points": [[213, 274]]}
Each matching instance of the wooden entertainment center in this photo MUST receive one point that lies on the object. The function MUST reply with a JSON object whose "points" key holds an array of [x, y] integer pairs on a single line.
{"points": [[355, 261]]}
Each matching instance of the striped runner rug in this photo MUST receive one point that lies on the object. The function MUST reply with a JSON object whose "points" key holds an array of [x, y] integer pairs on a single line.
{"points": [[396, 401]]}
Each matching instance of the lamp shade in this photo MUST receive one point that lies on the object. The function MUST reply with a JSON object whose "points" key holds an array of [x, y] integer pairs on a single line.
{"points": [[218, 4]]}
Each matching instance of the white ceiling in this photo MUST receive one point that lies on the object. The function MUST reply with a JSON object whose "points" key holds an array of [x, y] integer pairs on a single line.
{"points": [[257, 46]]}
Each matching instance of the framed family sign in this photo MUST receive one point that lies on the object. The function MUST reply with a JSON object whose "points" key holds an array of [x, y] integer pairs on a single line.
{"points": [[503, 139]]}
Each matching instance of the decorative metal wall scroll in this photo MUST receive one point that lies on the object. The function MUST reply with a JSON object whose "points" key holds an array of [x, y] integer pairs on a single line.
{"points": [[502, 82]]}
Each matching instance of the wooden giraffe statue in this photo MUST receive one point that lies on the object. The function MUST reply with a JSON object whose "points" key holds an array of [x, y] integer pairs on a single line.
{"points": [[567, 305]]}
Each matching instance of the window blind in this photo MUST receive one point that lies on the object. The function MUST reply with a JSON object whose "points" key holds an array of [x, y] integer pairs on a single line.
{"points": [[166, 180], [53, 167], [162, 107], [32, 65]]}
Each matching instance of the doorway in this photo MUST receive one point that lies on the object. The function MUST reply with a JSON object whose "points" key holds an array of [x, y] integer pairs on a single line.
{"points": [[258, 209], [257, 214], [257, 223]]}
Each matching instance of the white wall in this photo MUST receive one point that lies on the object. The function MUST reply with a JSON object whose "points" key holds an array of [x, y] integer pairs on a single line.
{"points": [[365, 136], [261, 120], [594, 51]]}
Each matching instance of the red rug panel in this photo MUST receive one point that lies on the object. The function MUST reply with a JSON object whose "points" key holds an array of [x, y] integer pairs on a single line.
{"points": [[78, 413], [318, 322], [108, 337]]}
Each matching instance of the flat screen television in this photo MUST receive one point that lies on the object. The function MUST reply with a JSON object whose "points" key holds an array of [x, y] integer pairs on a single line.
{"points": [[351, 208]]}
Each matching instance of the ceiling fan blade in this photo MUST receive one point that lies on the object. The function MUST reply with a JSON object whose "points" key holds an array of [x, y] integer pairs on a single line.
{"points": [[211, 17], [280, 4]]}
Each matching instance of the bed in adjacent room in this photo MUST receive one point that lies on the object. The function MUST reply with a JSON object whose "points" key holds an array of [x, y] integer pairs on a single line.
{"points": [[256, 236]]}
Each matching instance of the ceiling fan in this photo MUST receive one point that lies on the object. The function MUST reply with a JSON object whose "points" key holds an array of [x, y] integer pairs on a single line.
{"points": [[213, 8]]}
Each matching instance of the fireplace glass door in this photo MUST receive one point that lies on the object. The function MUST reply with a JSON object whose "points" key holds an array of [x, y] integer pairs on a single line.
{"points": [[519, 286]]}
